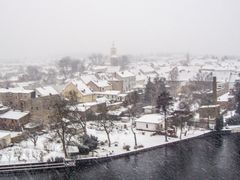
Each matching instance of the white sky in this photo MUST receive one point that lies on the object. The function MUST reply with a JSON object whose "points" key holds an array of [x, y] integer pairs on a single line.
{"points": [[33, 28]]}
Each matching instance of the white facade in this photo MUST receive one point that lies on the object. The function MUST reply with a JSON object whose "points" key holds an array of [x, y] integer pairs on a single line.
{"points": [[5, 140], [150, 122], [129, 80], [110, 95]]}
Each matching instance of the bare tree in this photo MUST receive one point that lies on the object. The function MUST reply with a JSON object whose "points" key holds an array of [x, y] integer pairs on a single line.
{"points": [[131, 111], [133, 107], [202, 81], [68, 66], [64, 65], [62, 124], [164, 102], [105, 122], [51, 76], [96, 59], [182, 115], [33, 136], [34, 73], [79, 117]]}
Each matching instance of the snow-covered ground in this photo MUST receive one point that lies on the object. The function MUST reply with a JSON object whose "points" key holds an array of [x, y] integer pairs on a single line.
{"points": [[26, 152], [123, 137], [45, 149]]}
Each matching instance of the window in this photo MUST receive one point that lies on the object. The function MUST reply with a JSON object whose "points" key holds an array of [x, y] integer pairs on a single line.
{"points": [[146, 125]]}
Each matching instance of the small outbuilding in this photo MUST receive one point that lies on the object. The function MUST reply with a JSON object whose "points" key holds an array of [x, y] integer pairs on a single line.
{"points": [[150, 122], [5, 139], [149, 109], [14, 120]]}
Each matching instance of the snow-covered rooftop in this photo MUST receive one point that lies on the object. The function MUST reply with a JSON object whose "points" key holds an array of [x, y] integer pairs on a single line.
{"points": [[210, 106], [150, 118], [124, 74], [83, 88], [86, 78], [101, 83], [225, 97], [46, 91], [16, 115], [15, 90]]}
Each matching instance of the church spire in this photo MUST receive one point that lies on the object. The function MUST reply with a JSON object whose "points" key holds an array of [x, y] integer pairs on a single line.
{"points": [[113, 52]]}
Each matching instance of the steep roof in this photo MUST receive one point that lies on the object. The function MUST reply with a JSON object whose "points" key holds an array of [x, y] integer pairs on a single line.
{"points": [[83, 88]]}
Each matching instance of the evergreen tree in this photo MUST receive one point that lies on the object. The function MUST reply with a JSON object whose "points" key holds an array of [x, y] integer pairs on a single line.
{"points": [[164, 102], [237, 96], [149, 92]]}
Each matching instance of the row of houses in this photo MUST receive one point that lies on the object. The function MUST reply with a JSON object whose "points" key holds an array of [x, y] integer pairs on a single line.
{"points": [[21, 106]]}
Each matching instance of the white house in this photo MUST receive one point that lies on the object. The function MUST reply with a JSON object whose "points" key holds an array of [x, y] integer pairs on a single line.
{"points": [[128, 78], [150, 122]]}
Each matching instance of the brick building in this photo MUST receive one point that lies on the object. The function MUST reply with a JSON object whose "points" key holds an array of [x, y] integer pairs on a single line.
{"points": [[14, 120], [13, 97]]}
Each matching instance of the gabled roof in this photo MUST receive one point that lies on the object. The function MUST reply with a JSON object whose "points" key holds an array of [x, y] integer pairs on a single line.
{"points": [[83, 88]]}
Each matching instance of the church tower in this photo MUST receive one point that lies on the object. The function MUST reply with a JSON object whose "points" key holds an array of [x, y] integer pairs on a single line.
{"points": [[113, 55]]}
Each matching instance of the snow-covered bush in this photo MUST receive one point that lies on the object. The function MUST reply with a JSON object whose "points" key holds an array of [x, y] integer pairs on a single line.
{"points": [[126, 147]]}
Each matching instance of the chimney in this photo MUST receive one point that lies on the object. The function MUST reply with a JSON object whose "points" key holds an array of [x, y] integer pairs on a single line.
{"points": [[214, 89]]}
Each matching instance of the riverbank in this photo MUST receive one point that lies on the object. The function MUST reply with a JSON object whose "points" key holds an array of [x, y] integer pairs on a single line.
{"points": [[172, 141], [96, 160], [123, 136]]}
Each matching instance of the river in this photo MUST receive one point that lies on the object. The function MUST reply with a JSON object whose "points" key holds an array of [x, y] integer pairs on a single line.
{"points": [[199, 159]]}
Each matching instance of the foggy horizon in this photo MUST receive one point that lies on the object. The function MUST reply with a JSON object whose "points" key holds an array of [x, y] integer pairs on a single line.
{"points": [[67, 28]]}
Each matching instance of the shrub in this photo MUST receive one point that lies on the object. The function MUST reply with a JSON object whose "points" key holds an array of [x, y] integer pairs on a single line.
{"points": [[83, 149], [102, 143], [126, 147], [59, 159], [90, 141]]}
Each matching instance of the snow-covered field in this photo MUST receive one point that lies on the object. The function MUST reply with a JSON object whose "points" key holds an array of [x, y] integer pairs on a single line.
{"points": [[26, 152], [123, 137], [120, 136]]}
